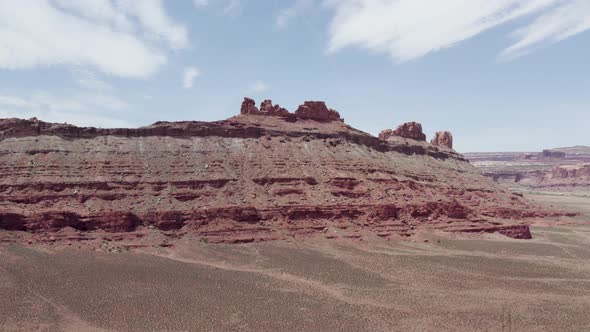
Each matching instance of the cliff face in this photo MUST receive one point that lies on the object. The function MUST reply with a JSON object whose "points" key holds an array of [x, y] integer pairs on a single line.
{"points": [[581, 171], [552, 154], [251, 177]]}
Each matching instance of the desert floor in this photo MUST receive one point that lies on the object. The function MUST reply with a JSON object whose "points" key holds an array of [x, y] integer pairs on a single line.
{"points": [[429, 282]]}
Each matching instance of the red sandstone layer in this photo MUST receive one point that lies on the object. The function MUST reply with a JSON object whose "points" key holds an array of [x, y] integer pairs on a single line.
{"points": [[252, 177]]}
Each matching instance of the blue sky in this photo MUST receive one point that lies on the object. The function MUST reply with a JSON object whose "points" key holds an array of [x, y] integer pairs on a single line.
{"points": [[505, 75]]}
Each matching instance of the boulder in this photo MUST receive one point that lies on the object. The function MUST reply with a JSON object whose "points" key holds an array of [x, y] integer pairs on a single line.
{"points": [[411, 130], [443, 139]]}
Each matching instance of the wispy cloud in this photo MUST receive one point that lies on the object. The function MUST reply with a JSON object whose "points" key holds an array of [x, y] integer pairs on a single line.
{"points": [[201, 3], [556, 25], [103, 101], [258, 87], [188, 77], [232, 8], [84, 109], [410, 29], [155, 21], [126, 38], [89, 80], [288, 14], [16, 102]]}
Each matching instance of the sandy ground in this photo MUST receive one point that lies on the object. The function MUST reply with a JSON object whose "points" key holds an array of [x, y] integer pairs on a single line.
{"points": [[578, 201], [476, 282]]}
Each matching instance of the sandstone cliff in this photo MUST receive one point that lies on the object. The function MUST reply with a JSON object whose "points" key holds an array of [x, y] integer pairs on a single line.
{"points": [[264, 174], [581, 171]]}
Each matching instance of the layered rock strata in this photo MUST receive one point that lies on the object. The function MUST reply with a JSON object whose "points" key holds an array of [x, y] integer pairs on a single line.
{"points": [[264, 174], [563, 170]]}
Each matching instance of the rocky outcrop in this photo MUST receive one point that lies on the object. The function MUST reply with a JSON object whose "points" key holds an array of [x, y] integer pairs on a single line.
{"points": [[443, 139], [310, 110], [244, 179], [267, 108], [318, 111], [249, 107], [412, 130], [571, 171]]}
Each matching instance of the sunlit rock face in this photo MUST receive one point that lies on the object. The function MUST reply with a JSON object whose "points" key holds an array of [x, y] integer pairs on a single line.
{"points": [[261, 175]]}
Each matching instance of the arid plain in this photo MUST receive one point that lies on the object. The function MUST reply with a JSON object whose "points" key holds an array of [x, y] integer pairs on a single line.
{"points": [[433, 281]]}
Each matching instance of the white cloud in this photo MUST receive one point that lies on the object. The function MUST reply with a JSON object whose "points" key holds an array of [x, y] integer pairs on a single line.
{"points": [[201, 3], [100, 11], [288, 14], [554, 26], [127, 38], [258, 87], [156, 22], [188, 78], [409, 29], [98, 110]]}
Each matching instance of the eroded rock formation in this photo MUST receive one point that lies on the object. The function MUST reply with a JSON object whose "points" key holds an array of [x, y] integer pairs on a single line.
{"points": [[249, 107], [318, 111], [247, 178], [412, 130], [266, 107], [310, 110], [443, 139], [571, 172]]}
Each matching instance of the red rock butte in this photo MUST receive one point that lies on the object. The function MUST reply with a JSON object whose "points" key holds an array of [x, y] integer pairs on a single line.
{"points": [[443, 139], [264, 174], [310, 110], [411, 130]]}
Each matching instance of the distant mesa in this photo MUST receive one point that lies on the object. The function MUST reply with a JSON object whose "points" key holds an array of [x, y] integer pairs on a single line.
{"points": [[571, 171], [443, 139], [550, 154], [310, 110], [411, 130], [560, 170]]}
